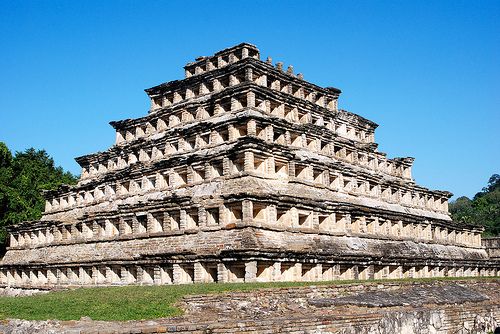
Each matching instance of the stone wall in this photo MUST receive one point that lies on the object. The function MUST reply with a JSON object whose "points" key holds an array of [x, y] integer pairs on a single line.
{"points": [[460, 307], [492, 246]]}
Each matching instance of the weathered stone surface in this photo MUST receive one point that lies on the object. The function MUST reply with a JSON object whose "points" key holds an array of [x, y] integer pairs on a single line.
{"points": [[435, 307], [415, 296], [16, 292], [492, 246]]}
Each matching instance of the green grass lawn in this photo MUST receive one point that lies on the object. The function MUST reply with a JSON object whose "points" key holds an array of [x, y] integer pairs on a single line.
{"points": [[130, 302]]}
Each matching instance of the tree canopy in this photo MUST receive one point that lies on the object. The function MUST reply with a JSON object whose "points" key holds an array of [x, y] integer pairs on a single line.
{"points": [[483, 209], [23, 176]]}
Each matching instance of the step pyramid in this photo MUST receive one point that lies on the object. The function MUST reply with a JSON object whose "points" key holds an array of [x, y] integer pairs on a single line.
{"points": [[241, 172]]}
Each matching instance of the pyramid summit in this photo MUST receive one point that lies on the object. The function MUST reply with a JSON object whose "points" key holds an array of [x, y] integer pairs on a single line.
{"points": [[241, 172]]}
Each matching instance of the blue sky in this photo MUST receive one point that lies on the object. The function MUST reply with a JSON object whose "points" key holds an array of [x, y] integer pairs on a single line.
{"points": [[428, 72]]}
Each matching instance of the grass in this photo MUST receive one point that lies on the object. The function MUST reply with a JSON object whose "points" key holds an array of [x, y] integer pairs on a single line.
{"points": [[134, 302]]}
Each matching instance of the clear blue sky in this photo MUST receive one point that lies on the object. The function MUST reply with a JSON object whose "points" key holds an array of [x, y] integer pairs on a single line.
{"points": [[428, 72]]}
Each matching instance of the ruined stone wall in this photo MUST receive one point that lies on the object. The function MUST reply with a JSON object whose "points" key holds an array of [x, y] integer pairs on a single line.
{"points": [[463, 307], [492, 246]]}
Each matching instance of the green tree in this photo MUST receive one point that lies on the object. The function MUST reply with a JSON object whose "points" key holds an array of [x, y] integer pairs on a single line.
{"points": [[483, 209], [5, 179], [22, 179], [462, 210]]}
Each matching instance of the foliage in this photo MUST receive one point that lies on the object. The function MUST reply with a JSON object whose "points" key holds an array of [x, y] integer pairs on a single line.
{"points": [[141, 302], [483, 209], [22, 179]]}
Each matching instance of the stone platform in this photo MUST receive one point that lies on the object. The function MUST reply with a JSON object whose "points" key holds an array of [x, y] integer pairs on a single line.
{"points": [[467, 306]]}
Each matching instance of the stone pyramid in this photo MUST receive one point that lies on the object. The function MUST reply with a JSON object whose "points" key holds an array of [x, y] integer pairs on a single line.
{"points": [[243, 171]]}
